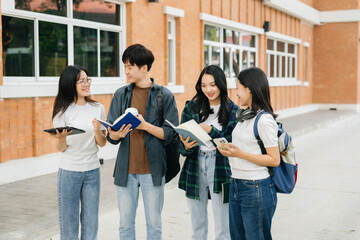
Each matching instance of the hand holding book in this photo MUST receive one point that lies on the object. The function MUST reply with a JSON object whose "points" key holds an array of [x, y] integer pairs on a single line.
{"points": [[123, 124], [187, 143], [129, 117], [193, 130], [121, 133]]}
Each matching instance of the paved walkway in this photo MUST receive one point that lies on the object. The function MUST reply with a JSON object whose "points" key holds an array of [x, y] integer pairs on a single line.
{"points": [[28, 208]]}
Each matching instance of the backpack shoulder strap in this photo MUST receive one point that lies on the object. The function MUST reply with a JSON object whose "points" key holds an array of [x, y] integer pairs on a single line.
{"points": [[256, 132], [159, 99]]}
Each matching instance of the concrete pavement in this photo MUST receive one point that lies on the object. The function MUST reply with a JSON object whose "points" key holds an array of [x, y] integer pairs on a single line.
{"points": [[323, 205], [325, 202]]}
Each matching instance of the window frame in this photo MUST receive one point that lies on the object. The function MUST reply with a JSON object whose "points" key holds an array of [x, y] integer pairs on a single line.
{"points": [[288, 79], [305, 81], [8, 9], [175, 14], [172, 54], [231, 80], [276, 54]]}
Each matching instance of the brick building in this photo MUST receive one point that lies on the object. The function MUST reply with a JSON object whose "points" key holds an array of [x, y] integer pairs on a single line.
{"points": [[308, 48]]}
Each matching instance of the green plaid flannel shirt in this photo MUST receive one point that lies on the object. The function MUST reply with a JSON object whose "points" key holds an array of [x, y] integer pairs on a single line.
{"points": [[189, 178]]}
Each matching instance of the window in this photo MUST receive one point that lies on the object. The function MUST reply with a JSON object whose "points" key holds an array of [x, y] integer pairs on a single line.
{"points": [[281, 59], [174, 16], [43, 6], [212, 33], [109, 54], [52, 48], [85, 49], [171, 51], [100, 11], [42, 37], [18, 46], [229, 49]]}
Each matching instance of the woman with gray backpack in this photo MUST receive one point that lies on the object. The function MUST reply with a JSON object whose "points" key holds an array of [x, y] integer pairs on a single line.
{"points": [[252, 194]]}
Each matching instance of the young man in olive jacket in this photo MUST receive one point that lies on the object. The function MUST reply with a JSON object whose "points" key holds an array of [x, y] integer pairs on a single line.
{"points": [[141, 159]]}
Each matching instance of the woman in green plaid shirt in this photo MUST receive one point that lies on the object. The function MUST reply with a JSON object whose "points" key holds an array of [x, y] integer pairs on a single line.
{"points": [[205, 169]]}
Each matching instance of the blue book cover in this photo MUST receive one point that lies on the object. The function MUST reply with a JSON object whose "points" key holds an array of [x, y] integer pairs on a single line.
{"points": [[192, 129], [126, 118]]}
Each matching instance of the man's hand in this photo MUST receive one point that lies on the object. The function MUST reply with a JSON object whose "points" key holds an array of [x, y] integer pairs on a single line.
{"points": [[144, 125], [121, 133]]}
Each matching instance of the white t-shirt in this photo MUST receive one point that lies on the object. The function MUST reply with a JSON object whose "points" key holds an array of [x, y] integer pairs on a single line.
{"points": [[243, 137], [213, 119], [81, 150]]}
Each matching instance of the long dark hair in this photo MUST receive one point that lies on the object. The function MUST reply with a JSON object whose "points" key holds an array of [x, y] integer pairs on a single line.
{"points": [[255, 79], [67, 89], [200, 103]]}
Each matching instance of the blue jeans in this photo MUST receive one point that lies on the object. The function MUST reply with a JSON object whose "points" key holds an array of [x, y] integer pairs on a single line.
{"points": [[153, 198], [75, 188], [252, 205], [198, 208]]}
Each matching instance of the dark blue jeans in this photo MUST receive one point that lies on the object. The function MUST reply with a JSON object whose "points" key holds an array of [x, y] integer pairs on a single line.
{"points": [[252, 205]]}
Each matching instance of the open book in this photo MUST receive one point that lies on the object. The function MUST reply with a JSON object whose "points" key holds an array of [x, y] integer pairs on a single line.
{"points": [[192, 129], [126, 118], [60, 129]]}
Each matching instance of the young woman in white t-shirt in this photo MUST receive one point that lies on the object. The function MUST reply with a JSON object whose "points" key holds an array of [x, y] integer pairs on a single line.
{"points": [[252, 195], [79, 174], [205, 169]]}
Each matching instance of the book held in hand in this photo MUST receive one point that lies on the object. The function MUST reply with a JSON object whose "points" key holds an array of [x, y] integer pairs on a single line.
{"points": [[192, 129], [126, 118], [60, 129]]}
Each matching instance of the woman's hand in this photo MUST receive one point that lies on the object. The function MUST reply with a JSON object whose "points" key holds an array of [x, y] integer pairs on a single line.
{"points": [[60, 135], [100, 135], [271, 159], [188, 145], [61, 139], [96, 125], [229, 150], [121, 133]]}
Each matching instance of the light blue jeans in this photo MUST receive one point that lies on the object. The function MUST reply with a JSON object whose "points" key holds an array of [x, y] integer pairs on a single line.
{"points": [[153, 198], [198, 208], [75, 188]]}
